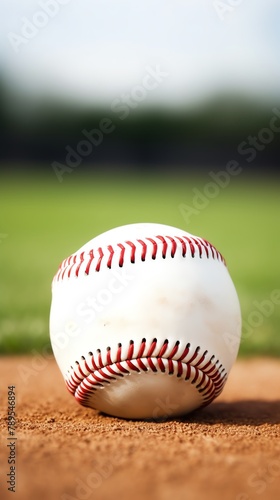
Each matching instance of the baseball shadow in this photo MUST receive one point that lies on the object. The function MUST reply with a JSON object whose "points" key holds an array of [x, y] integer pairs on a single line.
{"points": [[246, 412]]}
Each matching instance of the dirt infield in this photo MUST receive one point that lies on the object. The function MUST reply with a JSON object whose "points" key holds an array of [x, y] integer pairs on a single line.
{"points": [[229, 450]]}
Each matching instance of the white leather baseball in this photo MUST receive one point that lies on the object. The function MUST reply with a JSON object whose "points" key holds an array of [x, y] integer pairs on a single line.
{"points": [[139, 322]]}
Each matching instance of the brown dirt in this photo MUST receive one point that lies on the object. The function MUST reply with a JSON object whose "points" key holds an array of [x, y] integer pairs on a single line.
{"points": [[230, 449]]}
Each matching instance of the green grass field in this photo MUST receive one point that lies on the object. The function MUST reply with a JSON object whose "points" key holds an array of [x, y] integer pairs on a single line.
{"points": [[44, 221]]}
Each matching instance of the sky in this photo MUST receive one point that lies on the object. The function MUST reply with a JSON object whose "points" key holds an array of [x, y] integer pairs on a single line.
{"points": [[91, 51]]}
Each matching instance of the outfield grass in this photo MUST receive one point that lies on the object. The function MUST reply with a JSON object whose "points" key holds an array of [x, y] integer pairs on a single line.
{"points": [[44, 221]]}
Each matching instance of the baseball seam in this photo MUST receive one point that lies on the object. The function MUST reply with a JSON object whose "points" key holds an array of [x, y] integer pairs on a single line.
{"points": [[202, 370], [140, 250]]}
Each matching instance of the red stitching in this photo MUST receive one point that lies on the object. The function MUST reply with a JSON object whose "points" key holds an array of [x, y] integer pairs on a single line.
{"points": [[163, 349], [141, 365], [202, 380], [121, 259], [72, 266], [132, 366], [108, 357], [203, 243], [111, 250], [152, 348], [184, 246], [86, 365], [170, 367], [196, 375], [133, 250], [180, 369], [79, 265], [121, 368], [164, 246], [151, 364], [174, 350], [101, 255], [185, 353], [89, 262], [188, 375], [142, 348], [199, 246], [67, 262], [208, 377], [81, 371], [110, 369], [173, 247], [119, 353], [94, 365], [194, 355], [196, 246], [144, 249], [105, 375], [130, 350], [161, 365], [190, 245], [155, 247]]}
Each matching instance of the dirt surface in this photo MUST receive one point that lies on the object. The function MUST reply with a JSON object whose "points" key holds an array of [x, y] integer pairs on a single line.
{"points": [[229, 450]]}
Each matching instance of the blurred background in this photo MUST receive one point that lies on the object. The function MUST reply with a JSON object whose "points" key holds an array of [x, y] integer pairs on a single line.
{"points": [[115, 112]]}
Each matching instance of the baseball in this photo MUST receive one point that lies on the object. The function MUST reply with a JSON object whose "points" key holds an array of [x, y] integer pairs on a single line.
{"points": [[140, 322]]}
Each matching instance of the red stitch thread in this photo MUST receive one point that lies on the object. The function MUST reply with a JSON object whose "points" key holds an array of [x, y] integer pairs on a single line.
{"points": [[185, 353], [120, 367], [174, 350], [211, 248], [170, 366], [196, 245], [87, 366], [151, 364], [141, 365], [100, 363], [81, 371], [164, 246], [188, 374], [196, 375], [155, 247], [82, 384], [194, 355], [105, 375], [132, 366], [205, 247], [71, 267], [190, 245], [111, 250], [119, 353], [108, 357], [144, 249], [67, 263], [161, 364], [121, 259], [79, 265], [98, 378], [163, 349], [180, 369], [130, 350], [152, 348], [89, 262], [95, 367], [142, 348], [133, 250], [184, 246], [101, 255], [110, 369], [206, 386], [173, 247]]}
